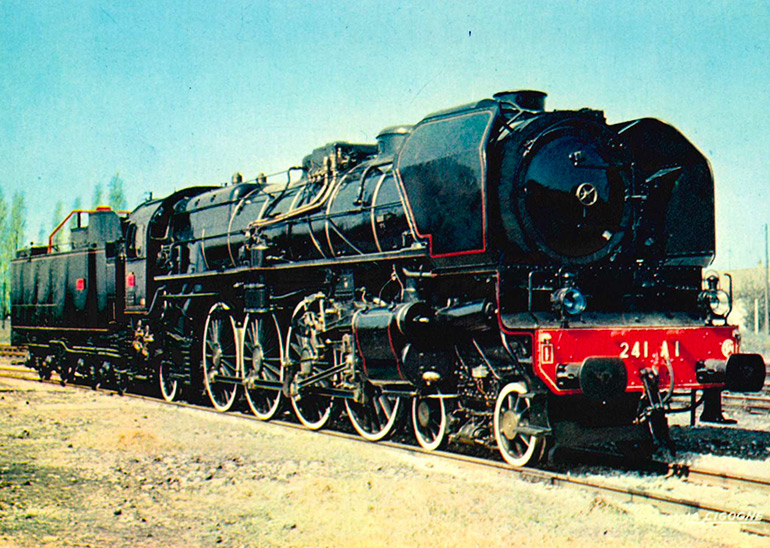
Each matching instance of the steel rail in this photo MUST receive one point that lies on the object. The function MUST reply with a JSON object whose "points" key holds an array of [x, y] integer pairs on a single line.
{"points": [[12, 351]]}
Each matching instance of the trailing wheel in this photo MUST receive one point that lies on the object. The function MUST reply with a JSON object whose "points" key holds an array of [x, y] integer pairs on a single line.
{"points": [[95, 376], [304, 353], [511, 421], [376, 418], [220, 357], [430, 420], [169, 387], [262, 361], [64, 365], [121, 377]]}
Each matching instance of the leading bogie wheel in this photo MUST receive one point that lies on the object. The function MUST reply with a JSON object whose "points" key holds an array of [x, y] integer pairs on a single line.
{"points": [[512, 414], [377, 417], [169, 386], [430, 420], [313, 410], [262, 361], [220, 357]]}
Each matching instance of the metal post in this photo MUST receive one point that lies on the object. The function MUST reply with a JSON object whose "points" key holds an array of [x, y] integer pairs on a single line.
{"points": [[766, 328], [756, 315], [693, 399]]}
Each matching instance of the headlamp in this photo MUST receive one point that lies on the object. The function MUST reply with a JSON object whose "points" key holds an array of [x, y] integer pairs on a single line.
{"points": [[716, 301], [570, 300]]}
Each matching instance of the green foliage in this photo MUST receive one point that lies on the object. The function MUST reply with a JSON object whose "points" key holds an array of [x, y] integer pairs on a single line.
{"points": [[747, 290], [3, 224], [5, 256], [117, 197], [755, 343], [11, 239], [18, 220], [98, 195], [58, 215]]}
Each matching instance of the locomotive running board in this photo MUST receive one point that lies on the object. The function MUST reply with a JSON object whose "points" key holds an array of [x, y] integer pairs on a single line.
{"points": [[99, 351], [411, 253]]}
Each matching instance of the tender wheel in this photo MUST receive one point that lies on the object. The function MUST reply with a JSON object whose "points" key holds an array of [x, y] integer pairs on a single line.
{"points": [[430, 420], [95, 374], [42, 366], [67, 367], [169, 387], [82, 371], [262, 361], [377, 418], [46, 368], [512, 412], [220, 357], [314, 411]]}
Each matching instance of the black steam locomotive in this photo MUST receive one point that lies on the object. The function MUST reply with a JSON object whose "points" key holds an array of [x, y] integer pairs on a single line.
{"points": [[511, 276]]}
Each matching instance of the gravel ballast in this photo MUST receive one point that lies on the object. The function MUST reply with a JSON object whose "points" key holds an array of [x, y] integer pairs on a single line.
{"points": [[81, 468]]}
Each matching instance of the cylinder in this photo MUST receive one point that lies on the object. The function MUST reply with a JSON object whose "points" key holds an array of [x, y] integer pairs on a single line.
{"points": [[382, 333]]}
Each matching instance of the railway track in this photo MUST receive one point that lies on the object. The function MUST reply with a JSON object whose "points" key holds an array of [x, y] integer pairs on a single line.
{"points": [[756, 404], [17, 372], [6, 350], [753, 521]]}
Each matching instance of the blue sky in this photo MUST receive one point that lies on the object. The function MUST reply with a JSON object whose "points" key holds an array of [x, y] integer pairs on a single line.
{"points": [[171, 94]]}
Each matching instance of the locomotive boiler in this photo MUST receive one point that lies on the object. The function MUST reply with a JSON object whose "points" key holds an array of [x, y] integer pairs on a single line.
{"points": [[510, 277]]}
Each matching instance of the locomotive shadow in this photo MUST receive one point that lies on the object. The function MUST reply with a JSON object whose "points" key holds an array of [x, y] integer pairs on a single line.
{"points": [[722, 441]]}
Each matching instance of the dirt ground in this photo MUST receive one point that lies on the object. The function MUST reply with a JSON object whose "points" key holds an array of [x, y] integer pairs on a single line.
{"points": [[80, 468]]}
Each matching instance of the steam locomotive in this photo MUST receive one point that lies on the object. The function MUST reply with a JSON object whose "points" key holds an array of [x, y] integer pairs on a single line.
{"points": [[511, 277]]}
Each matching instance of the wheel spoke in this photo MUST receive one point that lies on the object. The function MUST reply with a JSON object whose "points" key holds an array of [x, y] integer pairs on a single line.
{"points": [[270, 371], [384, 404], [373, 420], [297, 351]]}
